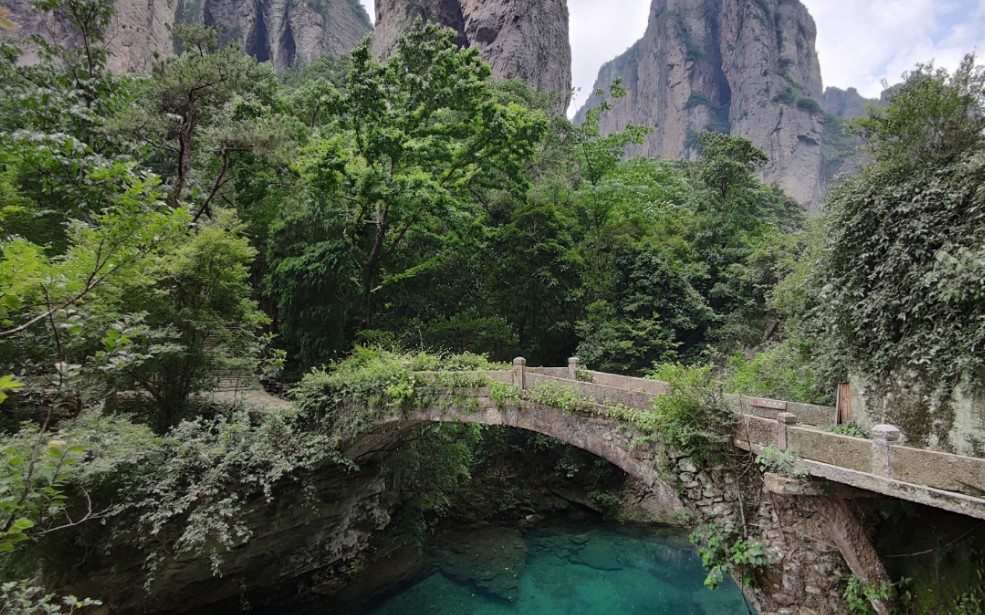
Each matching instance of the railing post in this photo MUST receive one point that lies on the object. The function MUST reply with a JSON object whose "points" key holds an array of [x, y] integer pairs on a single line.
{"points": [[882, 437], [520, 373], [573, 368], [785, 419]]}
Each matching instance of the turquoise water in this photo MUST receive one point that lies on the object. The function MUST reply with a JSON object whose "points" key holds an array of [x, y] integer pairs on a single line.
{"points": [[572, 570]]}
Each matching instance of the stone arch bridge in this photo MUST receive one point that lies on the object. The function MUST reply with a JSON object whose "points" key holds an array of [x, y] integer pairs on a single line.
{"points": [[831, 468], [881, 465]]}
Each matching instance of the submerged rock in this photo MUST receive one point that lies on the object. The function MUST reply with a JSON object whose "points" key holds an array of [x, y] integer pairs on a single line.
{"points": [[490, 559], [598, 554]]}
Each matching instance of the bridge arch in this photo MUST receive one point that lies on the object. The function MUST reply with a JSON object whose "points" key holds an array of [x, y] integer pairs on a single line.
{"points": [[607, 439]]}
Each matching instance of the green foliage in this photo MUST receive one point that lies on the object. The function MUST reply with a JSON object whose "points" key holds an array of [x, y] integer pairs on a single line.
{"points": [[785, 370], [970, 603], [859, 595], [623, 346], [407, 147], [22, 598], [35, 470], [933, 117], [723, 553], [184, 493], [201, 295], [692, 418], [537, 274], [651, 311], [375, 384], [559, 396], [187, 113], [850, 428], [607, 501], [839, 147], [437, 465], [905, 264], [154, 229], [780, 462], [8, 383]]}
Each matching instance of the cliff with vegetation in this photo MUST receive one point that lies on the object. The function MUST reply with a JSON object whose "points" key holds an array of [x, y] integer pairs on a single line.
{"points": [[160, 231], [743, 67], [520, 39], [287, 34]]}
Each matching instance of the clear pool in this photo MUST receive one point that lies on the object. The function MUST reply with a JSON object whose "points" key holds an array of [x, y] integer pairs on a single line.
{"points": [[578, 569]]}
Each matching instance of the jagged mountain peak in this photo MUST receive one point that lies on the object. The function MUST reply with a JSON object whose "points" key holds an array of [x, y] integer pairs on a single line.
{"points": [[744, 67]]}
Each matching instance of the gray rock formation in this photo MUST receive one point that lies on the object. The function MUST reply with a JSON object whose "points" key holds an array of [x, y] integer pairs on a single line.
{"points": [[844, 104], [283, 32], [843, 153], [520, 39], [286, 32], [745, 67]]}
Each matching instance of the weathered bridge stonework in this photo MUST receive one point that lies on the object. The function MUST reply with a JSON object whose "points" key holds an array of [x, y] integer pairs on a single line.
{"points": [[950, 482], [839, 467], [881, 465], [618, 443]]}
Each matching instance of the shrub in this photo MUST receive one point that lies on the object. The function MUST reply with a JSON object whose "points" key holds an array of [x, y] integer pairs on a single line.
{"points": [[692, 418], [782, 371], [722, 552]]}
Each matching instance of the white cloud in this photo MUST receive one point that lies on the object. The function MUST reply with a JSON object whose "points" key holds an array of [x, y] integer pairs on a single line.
{"points": [[863, 42], [860, 42], [599, 34]]}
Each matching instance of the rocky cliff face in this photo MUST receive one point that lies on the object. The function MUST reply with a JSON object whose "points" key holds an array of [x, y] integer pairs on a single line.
{"points": [[520, 39], [744, 67], [286, 33], [845, 104], [843, 154]]}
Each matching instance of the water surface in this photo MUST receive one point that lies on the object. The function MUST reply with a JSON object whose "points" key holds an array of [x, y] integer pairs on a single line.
{"points": [[581, 569]]}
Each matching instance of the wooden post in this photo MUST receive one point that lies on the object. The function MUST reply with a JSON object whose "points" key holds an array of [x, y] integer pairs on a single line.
{"points": [[844, 404]]}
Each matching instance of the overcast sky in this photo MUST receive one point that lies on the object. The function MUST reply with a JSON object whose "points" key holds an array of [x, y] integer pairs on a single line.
{"points": [[860, 42]]}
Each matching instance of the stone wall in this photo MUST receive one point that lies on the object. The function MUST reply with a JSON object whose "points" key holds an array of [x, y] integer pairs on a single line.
{"points": [[805, 570], [953, 423]]}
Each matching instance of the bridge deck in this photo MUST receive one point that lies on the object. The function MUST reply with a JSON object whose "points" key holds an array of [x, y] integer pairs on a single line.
{"points": [[951, 482]]}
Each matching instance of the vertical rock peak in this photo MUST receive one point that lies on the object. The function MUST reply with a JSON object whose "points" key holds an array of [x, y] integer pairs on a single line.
{"points": [[743, 67], [285, 33]]}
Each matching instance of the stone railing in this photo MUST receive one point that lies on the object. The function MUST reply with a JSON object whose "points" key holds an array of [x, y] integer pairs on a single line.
{"points": [[881, 465], [951, 482]]}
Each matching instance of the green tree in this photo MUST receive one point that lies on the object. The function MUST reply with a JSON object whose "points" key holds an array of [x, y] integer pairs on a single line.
{"points": [[536, 278], [199, 297], [57, 156], [409, 145], [651, 313], [188, 112]]}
